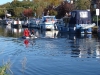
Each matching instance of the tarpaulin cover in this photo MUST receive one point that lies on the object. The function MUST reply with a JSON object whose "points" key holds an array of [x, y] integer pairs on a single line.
{"points": [[80, 17]]}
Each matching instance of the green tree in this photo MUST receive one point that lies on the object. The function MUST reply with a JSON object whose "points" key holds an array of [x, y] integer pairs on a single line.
{"points": [[16, 7], [18, 11], [83, 4]]}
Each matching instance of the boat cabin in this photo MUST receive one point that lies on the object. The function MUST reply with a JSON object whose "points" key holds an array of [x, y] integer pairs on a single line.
{"points": [[80, 17], [80, 21]]}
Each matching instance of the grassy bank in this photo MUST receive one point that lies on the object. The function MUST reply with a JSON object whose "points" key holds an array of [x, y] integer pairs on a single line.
{"points": [[4, 69]]}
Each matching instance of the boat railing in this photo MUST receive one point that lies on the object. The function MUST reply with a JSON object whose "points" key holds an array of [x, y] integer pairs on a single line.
{"points": [[86, 26]]}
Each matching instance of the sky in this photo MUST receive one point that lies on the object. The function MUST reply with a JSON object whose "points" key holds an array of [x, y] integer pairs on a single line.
{"points": [[6, 1]]}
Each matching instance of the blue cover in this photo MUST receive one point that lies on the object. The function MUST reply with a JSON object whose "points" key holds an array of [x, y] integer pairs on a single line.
{"points": [[80, 17]]}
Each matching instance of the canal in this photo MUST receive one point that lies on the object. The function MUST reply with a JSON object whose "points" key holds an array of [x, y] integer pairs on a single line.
{"points": [[51, 53]]}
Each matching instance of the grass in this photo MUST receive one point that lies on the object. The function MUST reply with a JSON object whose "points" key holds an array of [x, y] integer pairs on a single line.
{"points": [[4, 68]]}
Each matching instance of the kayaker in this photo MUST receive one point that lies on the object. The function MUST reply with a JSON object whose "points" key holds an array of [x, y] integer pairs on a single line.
{"points": [[32, 33], [26, 32]]}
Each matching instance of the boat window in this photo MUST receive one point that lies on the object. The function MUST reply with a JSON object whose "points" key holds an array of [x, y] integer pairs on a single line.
{"points": [[83, 14]]}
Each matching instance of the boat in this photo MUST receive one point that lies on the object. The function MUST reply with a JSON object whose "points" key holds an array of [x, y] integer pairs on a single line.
{"points": [[47, 22], [30, 37], [25, 24], [33, 23], [17, 24], [80, 22], [61, 26], [6, 21]]}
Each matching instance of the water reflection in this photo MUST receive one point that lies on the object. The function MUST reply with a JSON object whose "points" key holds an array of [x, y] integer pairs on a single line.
{"points": [[83, 45], [26, 42], [55, 52], [11, 32], [49, 34], [15, 30], [98, 50]]}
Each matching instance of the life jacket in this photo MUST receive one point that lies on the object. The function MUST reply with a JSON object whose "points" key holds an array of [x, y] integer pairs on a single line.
{"points": [[26, 33]]}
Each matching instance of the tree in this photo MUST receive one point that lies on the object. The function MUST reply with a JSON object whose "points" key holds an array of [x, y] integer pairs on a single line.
{"points": [[50, 8], [83, 4], [98, 4], [64, 8], [18, 11], [28, 12]]}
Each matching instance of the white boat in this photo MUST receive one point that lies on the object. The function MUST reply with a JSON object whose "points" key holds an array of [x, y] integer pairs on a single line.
{"points": [[17, 24], [48, 22]]}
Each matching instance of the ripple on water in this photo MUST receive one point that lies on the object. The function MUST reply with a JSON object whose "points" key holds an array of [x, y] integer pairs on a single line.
{"points": [[58, 56]]}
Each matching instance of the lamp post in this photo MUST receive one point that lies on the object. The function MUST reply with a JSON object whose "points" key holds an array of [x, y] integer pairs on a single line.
{"points": [[97, 13]]}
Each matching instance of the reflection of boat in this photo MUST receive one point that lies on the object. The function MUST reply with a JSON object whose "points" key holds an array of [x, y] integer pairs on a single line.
{"points": [[83, 47], [47, 22], [50, 34], [80, 22], [98, 32], [15, 30], [8, 26], [97, 51]]}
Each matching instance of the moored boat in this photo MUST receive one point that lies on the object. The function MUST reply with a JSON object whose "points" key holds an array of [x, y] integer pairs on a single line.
{"points": [[80, 22], [61, 26], [47, 22], [17, 24], [33, 23]]}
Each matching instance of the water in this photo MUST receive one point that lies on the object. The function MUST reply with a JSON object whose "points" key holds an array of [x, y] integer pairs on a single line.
{"points": [[52, 53]]}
